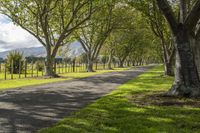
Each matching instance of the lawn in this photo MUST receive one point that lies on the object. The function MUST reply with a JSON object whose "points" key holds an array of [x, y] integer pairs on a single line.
{"points": [[135, 107], [59, 70], [17, 83]]}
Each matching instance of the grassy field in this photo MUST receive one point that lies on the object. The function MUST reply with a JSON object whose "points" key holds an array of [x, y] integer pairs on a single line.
{"points": [[136, 107], [16, 83], [59, 70]]}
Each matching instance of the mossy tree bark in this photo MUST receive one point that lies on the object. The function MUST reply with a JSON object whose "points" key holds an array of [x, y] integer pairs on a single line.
{"points": [[186, 81]]}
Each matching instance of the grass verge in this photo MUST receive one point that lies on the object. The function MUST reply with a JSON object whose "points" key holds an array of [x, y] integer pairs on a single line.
{"points": [[17, 83], [136, 106]]}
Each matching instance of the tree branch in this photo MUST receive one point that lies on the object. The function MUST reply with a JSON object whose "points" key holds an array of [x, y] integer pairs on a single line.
{"points": [[168, 13], [194, 16]]}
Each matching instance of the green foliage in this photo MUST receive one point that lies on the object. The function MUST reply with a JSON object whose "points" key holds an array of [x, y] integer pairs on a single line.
{"points": [[51, 22], [39, 65], [93, 36], [17, 83], [82, 58], [14, 61], [116, 113], [104, 59], [31, 59], [49, 18], [158, 26]]}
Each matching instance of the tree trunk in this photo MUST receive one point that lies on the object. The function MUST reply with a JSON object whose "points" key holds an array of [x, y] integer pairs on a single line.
{"points": [[169, 71], [128, 63], [121, 64], [140, 64], [197, 53], [49, 66], [110, 61], [90, 66], [186, 76], [133, 63], [168, 65]]}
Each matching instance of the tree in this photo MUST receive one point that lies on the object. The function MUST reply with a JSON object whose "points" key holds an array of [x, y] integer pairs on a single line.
{"points": [[126, 41], [109, 49], [160, 29], [14, 62], [134, 37], [96, 31], [146, 50], [186, 81], [125, 17], [197, 50], [50, 21]]}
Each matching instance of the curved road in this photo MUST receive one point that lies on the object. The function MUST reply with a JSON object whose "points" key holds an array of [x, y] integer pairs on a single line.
{"points": [[29, 109]]}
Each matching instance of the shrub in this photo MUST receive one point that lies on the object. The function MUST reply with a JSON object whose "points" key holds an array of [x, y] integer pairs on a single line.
{"points": [[39, 65], [104, 59], [14, 61]]}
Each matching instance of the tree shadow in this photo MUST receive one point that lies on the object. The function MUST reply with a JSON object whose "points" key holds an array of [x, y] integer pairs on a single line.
{"points": [[35, 110], [32, 108], [113, 115], [115, 77]]}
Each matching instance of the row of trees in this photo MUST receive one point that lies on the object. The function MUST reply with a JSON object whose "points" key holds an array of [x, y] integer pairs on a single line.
{"points": [[176, 24], [134, 30], [50, 21], [184, 29], [93, 23]]}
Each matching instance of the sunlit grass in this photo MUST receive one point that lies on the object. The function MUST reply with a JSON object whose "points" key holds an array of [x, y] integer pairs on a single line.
{"points": [[117, 113], [60, 70], [85, 74], [17, 83]]}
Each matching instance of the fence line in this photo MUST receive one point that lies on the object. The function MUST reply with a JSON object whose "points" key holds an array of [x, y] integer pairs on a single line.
{"points": [[30, 70]]}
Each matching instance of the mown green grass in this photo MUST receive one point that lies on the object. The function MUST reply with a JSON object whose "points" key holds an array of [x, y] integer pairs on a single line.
{"points": [[17, 83], [117, 113], [59, 70]]}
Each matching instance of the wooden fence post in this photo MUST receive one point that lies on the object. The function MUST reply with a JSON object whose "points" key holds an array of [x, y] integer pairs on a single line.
{"points": [[58, 68], [73, 65], [37, 71], [68, 67], [32, 69], [96, 65], [25, 69], [5, 76], [79, 66], [62, 67], [19, 69], [65, 67], [12, 68], [55, 67], [43, 69]]}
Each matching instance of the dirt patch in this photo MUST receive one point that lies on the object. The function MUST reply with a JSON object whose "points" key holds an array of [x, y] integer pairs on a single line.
{"points": [[157, 98]]}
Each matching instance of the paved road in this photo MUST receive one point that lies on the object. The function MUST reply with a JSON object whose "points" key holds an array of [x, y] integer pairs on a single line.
{"points": [[29, 109]]}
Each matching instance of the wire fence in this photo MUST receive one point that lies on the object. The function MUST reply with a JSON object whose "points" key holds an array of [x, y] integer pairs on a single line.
{"points": [[31, 70]]}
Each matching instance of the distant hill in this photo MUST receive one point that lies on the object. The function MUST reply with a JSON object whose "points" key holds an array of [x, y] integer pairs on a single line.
{"points": [[33, 51], [75, 50]]}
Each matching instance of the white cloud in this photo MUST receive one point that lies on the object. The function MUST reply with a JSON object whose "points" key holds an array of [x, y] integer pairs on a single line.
{"points": [[12, 36]]}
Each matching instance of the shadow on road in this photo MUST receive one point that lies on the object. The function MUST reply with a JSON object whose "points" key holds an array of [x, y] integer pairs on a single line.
{"points": [[32, 108]]}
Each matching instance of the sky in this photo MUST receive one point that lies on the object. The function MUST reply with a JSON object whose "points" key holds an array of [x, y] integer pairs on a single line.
{"points": [[13, 37]]}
